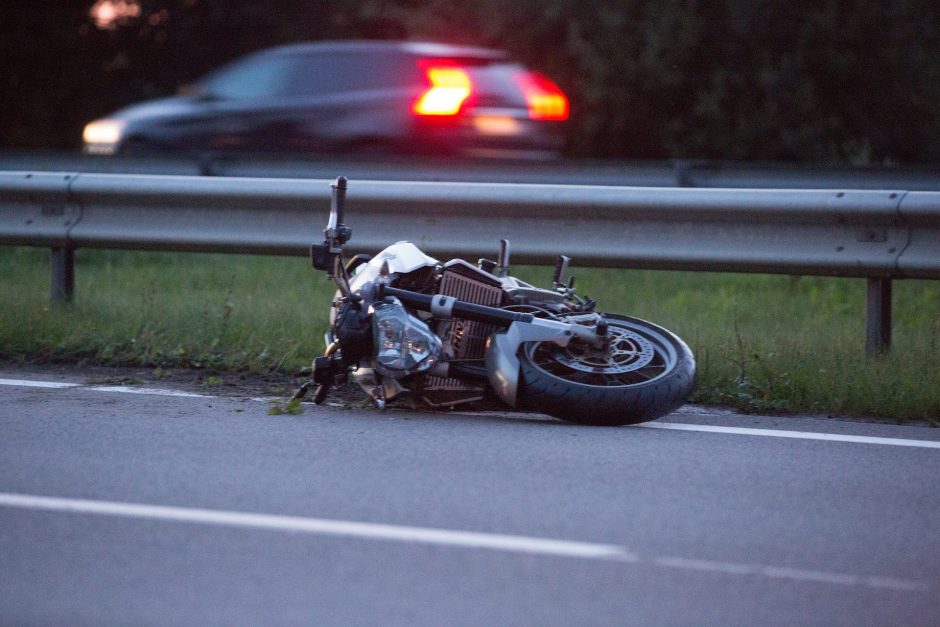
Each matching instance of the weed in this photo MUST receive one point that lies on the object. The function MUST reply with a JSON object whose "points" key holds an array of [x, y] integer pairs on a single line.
{"points": [[292, 407]]}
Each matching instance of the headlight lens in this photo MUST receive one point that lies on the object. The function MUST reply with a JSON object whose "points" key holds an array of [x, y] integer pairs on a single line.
{"points": [[103, 131], [403, 344]]}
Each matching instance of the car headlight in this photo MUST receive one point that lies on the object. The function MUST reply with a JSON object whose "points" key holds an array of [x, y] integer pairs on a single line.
{"points": [[103, 132]]}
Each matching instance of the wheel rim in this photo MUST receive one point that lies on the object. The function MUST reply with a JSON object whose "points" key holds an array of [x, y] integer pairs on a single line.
{"points": [[635, 355]]}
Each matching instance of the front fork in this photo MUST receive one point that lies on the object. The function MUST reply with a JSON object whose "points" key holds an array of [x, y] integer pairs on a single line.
{"points": [[502, 349]]}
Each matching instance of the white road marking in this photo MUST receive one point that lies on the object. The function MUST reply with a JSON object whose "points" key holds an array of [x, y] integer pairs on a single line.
{"points": [[442, 537], [799, 435], [120, 389], [799, 574], [125, 389], [321, 526], [37, 384], [773, 433]]}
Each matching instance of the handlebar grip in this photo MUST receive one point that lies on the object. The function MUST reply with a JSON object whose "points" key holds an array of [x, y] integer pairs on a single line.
{"points": [[338, 201]]}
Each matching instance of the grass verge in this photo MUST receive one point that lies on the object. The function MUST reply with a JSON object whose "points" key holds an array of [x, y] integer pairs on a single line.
{"points": [[763, 343]]}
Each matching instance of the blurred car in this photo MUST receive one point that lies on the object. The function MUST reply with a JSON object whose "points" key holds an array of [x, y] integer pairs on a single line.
{"points": [[350, 96]]}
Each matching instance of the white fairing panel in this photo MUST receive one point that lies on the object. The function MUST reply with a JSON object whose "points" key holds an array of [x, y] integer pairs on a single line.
{"points": [[402, 257]]}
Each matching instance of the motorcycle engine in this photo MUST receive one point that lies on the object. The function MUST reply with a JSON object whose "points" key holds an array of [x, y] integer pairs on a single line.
{"points": [[463, 339]]}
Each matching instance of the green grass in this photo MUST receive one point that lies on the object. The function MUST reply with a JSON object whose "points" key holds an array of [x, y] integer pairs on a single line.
{"points": [[161, 309], [762, 342]]}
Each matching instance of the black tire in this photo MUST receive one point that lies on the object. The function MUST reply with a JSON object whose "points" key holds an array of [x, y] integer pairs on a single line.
{"points": [[645, 374]]}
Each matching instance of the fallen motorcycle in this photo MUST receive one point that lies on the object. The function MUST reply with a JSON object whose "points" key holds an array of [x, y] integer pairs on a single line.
{"points": [[403, 323]]}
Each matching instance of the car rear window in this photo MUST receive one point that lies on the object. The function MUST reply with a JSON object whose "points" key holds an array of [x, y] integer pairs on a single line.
{"points": [[496, 84]]}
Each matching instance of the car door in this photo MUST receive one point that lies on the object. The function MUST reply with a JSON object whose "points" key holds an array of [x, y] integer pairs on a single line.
{"points": [[339, 99], [242, 103]]}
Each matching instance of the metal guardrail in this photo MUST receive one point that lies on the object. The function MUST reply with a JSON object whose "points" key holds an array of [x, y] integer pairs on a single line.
{"points": [[878, 235]]}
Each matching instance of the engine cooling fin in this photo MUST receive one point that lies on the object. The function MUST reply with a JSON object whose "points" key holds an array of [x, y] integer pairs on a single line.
{"points": [[464, 340]]}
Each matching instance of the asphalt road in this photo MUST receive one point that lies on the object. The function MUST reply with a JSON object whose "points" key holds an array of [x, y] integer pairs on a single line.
{"points": [[141, 508]]}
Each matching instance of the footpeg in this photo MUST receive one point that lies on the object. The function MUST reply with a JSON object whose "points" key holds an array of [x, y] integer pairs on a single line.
{"points": [[327, 373], [377, 393]]}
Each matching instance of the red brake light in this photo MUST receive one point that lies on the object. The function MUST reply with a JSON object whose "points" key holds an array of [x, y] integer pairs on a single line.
{"points": [[545, 100], [449, 87]]}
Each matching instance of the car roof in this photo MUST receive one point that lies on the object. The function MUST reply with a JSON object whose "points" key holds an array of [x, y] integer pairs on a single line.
{"points": [[422, 48]]}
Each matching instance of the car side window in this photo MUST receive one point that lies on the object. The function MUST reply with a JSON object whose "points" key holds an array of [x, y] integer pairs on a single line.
{"points": [[322, 75], [252, 78]]}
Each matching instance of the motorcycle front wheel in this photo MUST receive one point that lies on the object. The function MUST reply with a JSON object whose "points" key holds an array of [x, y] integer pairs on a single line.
{"points": [[645, 372]]}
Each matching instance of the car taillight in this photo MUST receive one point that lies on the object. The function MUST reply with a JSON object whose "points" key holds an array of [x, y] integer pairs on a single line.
{"points": [[545, 100], [449, 87]]}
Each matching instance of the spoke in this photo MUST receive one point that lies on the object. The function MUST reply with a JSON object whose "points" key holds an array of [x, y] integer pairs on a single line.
{"points": [[634, 377], [577, 376], [542, 358], [582, 364]]}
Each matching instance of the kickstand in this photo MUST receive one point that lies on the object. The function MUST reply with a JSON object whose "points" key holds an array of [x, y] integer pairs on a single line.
{"points": [[320, 395], [302, 391]]}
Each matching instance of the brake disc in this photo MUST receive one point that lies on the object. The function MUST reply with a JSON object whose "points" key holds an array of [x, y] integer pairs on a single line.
{"points": [[628, 351]]}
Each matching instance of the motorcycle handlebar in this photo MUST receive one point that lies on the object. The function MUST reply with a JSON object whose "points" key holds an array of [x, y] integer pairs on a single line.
{"points": [[459, 308], [338, 202]]}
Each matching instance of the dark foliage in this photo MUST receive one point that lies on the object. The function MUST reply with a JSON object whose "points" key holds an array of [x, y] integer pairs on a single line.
{"points": [[830, 81]]}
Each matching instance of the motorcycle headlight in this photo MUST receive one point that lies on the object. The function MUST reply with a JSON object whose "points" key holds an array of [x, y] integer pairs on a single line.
{"points": [[403, 344]]}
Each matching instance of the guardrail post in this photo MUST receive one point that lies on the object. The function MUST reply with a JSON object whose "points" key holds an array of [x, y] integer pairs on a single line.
{"points": [[63, 274], [683, 168], [206, 163], [878, 331]]}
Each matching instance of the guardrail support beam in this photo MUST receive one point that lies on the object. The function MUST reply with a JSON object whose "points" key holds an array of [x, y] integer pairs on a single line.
{"points": [[878, 330], [63, 274]]}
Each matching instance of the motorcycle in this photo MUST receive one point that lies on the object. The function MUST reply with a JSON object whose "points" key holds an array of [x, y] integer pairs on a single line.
{"points": [[403, 323]]}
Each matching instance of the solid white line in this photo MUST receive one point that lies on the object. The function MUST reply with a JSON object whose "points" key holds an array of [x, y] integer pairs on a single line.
{"points": [[321, 526], [37, 384], [773, 433], [120, 389], [442, 537], [798, 435], [124, 389]]}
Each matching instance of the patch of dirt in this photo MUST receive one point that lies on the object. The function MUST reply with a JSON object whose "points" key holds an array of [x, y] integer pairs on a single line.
{"points": [[210, 382]]}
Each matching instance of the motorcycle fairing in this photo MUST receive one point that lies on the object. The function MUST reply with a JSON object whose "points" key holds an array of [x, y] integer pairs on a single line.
{"points": [[402, 257]]}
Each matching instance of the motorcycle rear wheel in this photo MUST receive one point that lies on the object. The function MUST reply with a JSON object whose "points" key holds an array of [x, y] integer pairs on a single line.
{"points": [[645, 373]]}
